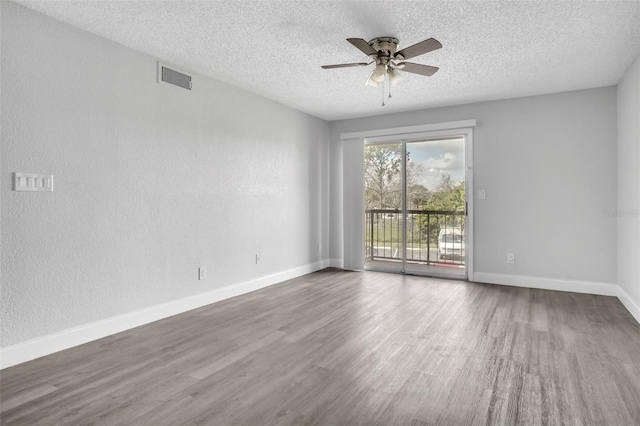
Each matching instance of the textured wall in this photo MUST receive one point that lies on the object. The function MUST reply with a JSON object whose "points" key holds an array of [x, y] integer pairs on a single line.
{"points": [[151, 181], [629, 182], [548, 165]]}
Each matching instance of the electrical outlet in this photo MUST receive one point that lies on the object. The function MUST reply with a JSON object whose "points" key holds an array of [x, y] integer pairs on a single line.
{"points": [[202, 273], [511, 258], [257, 259]]}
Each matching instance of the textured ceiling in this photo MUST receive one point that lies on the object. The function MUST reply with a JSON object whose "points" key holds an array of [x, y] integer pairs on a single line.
{"points": [[491, 50]]}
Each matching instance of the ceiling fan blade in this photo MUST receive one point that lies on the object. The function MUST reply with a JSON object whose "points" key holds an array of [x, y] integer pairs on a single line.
{"points": [[417, 68], [363, 46], [357, 64], [417, 49]]}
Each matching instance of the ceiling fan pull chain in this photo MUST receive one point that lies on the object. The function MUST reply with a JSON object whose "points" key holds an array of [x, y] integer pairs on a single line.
{"points": [[383, 93]]}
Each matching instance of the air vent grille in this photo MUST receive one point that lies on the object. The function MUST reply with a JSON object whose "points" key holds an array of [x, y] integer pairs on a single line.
{"points": [[177, 78]]}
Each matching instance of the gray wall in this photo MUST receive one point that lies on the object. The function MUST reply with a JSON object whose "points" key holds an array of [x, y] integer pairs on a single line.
{"points": [[151, 181], [548, 165], [629, 182]]}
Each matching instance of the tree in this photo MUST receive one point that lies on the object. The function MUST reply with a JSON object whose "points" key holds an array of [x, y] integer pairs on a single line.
{"points": [[447, 197], [446, 184], [383, 180], [383, 176], [417, 196]]}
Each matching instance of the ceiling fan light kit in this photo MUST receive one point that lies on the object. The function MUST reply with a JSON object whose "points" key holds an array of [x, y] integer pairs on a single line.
{"points": [[371, 81], [394, 77], [382, 51], [377, 76]]}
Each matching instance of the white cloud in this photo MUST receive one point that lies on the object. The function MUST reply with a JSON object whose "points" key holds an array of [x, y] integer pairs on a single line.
{"points": [[446, 161], [435, 159]]}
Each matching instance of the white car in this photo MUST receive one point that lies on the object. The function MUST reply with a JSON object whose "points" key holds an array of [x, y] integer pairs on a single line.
{"points": [[451, 243]]}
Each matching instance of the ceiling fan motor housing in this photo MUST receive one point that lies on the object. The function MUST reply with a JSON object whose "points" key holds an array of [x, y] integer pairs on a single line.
{"points": [[385, 46]]}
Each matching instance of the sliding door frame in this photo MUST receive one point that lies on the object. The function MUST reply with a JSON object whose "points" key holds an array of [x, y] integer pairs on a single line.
{"points": [[405, 138]]}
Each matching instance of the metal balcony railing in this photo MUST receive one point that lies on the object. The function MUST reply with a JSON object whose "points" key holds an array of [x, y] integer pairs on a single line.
{"points": [[433, 236]]}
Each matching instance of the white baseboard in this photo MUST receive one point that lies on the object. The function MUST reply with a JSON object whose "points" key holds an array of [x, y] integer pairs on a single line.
{"points": [[589, 287], [46, 345], [603, 289]]}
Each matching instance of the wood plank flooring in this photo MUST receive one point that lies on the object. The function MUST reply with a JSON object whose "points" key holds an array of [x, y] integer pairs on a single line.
{"points": [[338, 347]]}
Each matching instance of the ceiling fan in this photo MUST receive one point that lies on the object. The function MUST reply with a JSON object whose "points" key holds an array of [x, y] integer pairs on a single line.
{"points": [[382, 51]]}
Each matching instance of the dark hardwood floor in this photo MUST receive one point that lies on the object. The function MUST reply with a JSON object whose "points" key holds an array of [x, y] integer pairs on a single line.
{"points": [[339, 347]]}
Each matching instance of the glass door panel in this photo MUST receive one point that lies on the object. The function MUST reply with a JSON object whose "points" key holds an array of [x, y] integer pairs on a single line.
{"points": [[384, 224], [436, 205]]}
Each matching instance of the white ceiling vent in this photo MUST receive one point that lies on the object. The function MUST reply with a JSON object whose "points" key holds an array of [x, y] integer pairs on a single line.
{"points": [[174, 77]]}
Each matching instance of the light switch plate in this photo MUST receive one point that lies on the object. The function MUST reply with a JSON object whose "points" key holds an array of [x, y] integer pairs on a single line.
{"points": [[482, 194], [32, 182]]}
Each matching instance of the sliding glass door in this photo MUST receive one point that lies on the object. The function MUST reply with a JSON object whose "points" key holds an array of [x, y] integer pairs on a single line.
{"points": [[415, 206]]}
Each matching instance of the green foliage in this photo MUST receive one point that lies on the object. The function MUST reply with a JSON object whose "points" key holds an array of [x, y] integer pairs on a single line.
{"points": [[446, 197], [417, 196]]}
